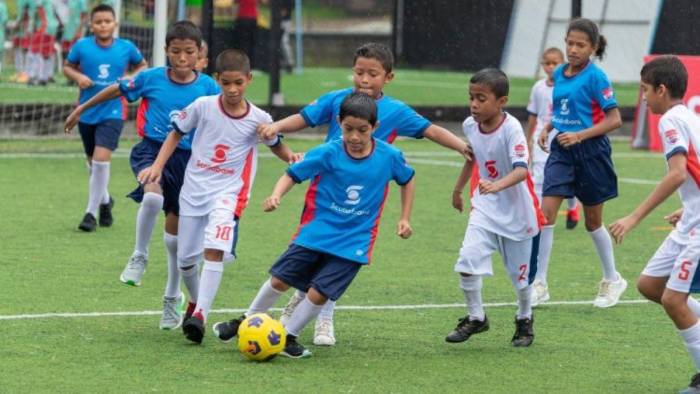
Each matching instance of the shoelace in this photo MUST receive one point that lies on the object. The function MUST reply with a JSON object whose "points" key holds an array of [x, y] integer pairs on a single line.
{"points": [[325, 327], [170, 309], [292, 305], [604, 289], [136, 262]]}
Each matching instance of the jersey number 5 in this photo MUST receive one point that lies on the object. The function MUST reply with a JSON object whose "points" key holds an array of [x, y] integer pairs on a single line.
{"points": [[491, 168], [685, 273]]}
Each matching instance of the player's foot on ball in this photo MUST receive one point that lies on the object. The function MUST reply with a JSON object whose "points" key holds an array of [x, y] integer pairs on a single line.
{"points": [[290, 307], [524, 332], [324, 334], [172, 312], [88, 223], [294, 349], [693, 387], [106, 218], [134, 269], [194, 328], [466, 328], [540, 293], [227, 330], [609, 292], [572, 218]]}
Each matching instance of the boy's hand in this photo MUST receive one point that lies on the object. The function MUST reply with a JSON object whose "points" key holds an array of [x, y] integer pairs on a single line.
{"points": [[296, 157], [150, 175], [621, 227], [674, 217], [403, 229], [542, 141], [271, 203], [468, 152], [268, 131], [568, 140], [488, 187], [84, 82], [457, 202], [72, 120]]}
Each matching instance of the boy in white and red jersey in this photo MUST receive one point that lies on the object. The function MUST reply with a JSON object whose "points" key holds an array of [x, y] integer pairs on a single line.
{"points": [[672, 273], [505, 214], [218, 180]]}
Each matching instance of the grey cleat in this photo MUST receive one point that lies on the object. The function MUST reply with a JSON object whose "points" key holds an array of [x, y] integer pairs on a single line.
{"points": [[134, 270], [172, 312]]}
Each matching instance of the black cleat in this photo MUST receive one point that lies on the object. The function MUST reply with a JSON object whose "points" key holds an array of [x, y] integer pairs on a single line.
{"points": [[106, 218], [294, 349], [188, 314], [693, 387], [524, 332], [227, 330], [466, 328], [194, 328], [89, 223], [572, 219]]}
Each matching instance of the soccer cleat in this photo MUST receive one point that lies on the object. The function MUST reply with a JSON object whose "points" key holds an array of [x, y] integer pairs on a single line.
{"points": [[540, 293], [524, 332], [693, 387], [89, 223], [466, 328], [289, 308], [134, 270], [194, 328], [572, 218], [172, 312], [227, 330], [609, 292], [189, 312], [324, 335], [106, 218], [294, 349]]}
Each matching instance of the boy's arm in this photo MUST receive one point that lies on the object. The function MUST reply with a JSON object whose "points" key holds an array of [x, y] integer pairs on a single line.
{"points": [[671, 181], [610, 122], [106, 94], [72, 72], [518, 174], [445, 138], [403, 229], [531, 123], [290, 124], [153, 173], [137, 69], [462, 180], [284, 185], [284, 152]]}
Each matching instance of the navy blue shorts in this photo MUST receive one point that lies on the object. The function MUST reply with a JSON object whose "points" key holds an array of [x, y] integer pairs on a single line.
{"points": [[143, 155], [584, 171], [105, 134], [303, 268]]}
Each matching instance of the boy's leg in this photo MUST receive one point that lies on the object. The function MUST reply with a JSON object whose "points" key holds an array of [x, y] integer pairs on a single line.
{"points": [[324, 332], [572, 216], [550, 207], [87, 136], [294, 301], [107, 135], [520, 260], [613, 285], [190, 245], [146, 217]]}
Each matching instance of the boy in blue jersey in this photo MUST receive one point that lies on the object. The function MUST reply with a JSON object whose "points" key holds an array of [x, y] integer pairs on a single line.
{"points": [[372, 70], [163, 91], [337, 232], [94, 63]]}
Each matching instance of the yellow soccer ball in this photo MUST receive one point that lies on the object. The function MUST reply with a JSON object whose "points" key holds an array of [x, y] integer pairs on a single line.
{"points": [[260, 337]]}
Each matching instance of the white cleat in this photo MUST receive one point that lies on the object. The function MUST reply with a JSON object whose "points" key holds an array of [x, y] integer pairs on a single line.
{"points": [[324, 334], [609, 292], [289, 308], [540, 293]]}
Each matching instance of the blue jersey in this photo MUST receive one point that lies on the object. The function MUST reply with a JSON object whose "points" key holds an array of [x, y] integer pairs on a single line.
{"points": [[580, 101], [104, 66], [395, 117], [162, 98], [346, 197]]}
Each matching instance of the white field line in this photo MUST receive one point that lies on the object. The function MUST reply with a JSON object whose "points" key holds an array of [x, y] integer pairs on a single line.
{"points": [[339, 307]]}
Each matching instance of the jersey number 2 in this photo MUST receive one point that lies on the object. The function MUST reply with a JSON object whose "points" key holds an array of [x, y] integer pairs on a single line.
{"points": [[522, 269]]}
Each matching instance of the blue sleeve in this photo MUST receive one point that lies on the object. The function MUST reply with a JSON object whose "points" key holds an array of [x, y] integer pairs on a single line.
{"points": [[213, 87], [603, 92], [313, 163], [320, 111], [135, 56], [133, 89], [401, 172], [412, 124], [74, 54]]}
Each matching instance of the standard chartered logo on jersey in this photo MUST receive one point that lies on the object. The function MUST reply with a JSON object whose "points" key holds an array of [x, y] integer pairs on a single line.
{"points": [[353, 197], [104, 71]]}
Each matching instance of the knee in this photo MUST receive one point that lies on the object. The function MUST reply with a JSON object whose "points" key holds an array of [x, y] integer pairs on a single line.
{"points": [[278, 284], [592, 224], [316, 297], [648, 290], [470, 282], [188, 270], [152, 200], [673, 302], [550, 215]]}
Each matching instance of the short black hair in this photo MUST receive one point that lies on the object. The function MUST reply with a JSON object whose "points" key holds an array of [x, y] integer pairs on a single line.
{"points": [[103, 8], [589, 27], [184, 30], [232, 60], [669, 71], [379, 52], [553, 50], [359, 105], [495, 79]]}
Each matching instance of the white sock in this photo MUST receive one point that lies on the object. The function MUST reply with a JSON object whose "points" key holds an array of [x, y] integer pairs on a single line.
{"points": [[105, 197], [38, 66], [305, 312], [49, 64], [691, 337], [327, 311], [209, 286], [19, 60], [99, 179], [524, 303], [545, 252], [604, 247], [571, 203], [471, 286], [694, 306], [145, 220], [172, 287], [264, 300], [189, 276]]}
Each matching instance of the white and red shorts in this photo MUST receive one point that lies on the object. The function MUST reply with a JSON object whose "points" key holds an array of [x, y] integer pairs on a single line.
{"points": [[677, 261], [218, 231]]}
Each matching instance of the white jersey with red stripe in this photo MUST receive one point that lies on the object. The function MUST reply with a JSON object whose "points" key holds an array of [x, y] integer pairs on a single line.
{"points": [[514, 212], [679, 128], [222, 167], [540, 105]]}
